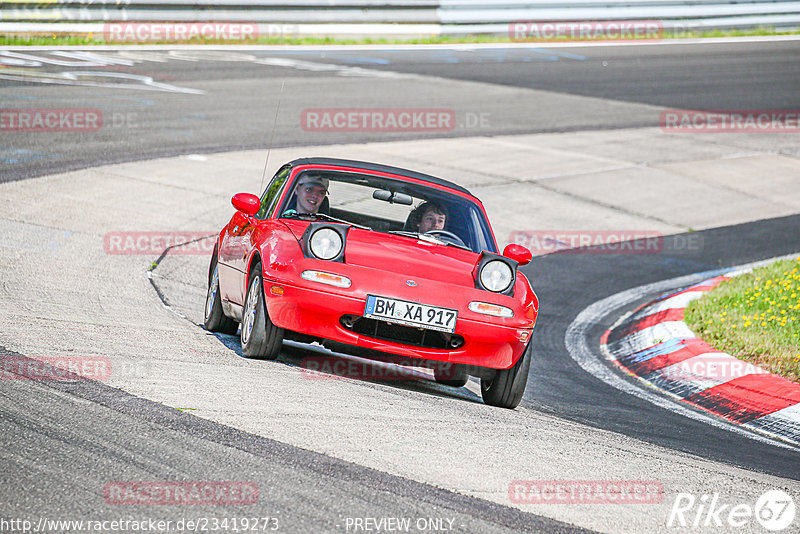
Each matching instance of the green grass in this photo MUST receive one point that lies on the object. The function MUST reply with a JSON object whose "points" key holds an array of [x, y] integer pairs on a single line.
{"points": [[90, 39], [755, 317]]}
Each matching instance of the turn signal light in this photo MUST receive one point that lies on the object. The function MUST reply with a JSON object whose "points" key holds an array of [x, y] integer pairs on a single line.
{"points": [[327, 278], [490, 309]]}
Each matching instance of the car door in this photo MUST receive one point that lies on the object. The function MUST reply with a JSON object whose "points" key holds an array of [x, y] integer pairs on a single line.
{"points": [[233, 250], [238, 241]]}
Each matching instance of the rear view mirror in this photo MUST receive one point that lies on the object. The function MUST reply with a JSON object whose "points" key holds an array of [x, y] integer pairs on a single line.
{"points": [[247, 203], [518, 253], [392, 198]]}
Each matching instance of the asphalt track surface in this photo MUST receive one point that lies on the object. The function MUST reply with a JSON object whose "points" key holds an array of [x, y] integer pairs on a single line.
{"points": [[112, 433], [568, 283], [244, 92]]}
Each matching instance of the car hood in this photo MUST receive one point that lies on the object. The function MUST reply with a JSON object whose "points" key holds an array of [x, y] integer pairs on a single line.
{"points": [[409, 257], [402, 255]]}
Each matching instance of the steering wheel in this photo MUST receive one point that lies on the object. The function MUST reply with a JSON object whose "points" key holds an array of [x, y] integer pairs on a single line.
{"points": [[444, 233]]}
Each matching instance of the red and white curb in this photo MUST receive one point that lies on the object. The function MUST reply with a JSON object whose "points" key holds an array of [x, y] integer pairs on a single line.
{"points": [[656, 346]]}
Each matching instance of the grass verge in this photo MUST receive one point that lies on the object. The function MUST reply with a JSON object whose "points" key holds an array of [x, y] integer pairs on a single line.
{"points": [[755, 317]]}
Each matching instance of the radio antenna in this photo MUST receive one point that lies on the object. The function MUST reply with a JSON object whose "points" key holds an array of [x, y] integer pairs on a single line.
{"points": [[272, 135]]}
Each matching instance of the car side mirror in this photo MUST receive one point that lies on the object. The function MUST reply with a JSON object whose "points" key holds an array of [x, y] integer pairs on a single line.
{"points": [[518, 253], [247, 203]]}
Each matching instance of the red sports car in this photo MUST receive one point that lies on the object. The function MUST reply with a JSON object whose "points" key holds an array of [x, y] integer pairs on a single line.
{"points": [[387, 262]]}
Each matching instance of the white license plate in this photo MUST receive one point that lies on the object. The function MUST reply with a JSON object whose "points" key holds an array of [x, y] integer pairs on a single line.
{"points": [[411, 313]]}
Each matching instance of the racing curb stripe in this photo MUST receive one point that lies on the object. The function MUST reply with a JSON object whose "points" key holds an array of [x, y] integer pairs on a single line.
{"points": [[654, 344], [658, 357], [749, 397], [672, 314]]}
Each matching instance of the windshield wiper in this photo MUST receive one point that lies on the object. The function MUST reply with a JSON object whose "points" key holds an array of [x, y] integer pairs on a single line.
{"points": [[451, 244], [429, 238], [404, 233], [321, 216]]}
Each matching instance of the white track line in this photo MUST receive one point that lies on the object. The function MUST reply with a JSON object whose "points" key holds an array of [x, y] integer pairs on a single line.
{"points": [[413, 47]]}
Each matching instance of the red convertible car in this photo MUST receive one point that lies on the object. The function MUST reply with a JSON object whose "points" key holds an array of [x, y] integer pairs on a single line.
{"points": [[388, 262]]}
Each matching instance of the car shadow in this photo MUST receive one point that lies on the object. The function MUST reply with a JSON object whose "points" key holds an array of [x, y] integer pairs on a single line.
{"points": [[319, 363]]}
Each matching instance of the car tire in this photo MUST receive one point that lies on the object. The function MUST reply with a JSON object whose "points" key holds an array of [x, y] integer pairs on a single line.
{"points": [[451, 375], [505, 388], [261, 339], [215, 320]]}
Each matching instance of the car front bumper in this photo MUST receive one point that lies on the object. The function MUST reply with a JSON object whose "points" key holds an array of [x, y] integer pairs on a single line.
{"points": [[316, 309]]}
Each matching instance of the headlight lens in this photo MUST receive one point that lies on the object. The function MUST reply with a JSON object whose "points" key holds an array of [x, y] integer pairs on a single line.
{"points": [[325, 244], [496, 276]]}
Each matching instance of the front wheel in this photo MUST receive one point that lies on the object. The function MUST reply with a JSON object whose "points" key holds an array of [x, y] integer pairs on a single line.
{"points": [[506, 387], [215, 320], [261, 339]]}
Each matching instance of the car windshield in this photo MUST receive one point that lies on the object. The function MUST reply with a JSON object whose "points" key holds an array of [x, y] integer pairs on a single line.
{"points": [[390, 206]]}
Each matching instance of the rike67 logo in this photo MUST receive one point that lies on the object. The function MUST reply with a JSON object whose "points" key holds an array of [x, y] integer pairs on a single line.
{"points": [[774, 510]]}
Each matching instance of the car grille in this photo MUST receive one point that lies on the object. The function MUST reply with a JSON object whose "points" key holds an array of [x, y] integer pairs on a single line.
{"points": [[407, 335]]}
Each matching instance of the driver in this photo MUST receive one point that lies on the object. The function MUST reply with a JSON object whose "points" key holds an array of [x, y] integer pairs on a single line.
{"points": [[309, 194], [431, 216]]}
